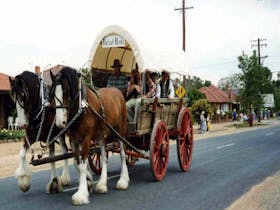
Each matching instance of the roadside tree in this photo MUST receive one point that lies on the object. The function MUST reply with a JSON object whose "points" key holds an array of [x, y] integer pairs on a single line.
{"points": [[231, 81], [255, 81]]}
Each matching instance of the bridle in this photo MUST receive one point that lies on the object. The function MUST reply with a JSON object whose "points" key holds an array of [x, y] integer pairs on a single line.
{"points": [[56, 83], [32, 115], [78, 96], [43, 103]]}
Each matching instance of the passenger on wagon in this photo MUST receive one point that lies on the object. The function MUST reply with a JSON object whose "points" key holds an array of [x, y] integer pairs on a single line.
{"points": [[133, 104], [154, 77], [134, 85], [118, 79], [167, 88]]}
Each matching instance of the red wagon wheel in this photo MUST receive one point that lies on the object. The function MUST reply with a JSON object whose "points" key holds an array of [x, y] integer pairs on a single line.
{"points": [[94, 160], [159, 150], [184, 139]]}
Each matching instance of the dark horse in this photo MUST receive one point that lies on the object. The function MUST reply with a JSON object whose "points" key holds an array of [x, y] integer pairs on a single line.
{"points": [[36, 118], [109, 103]]}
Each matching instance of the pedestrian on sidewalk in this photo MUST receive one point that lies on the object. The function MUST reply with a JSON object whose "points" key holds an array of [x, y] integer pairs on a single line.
{"points": [[208, 121], [234, 115], [203, 126]]}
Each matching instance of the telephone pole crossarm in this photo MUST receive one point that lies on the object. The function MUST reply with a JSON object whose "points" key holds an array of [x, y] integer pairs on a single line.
{"points": [[259, 45]]}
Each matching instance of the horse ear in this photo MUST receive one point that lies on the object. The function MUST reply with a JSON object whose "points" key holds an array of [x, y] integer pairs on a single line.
{"points": [[52, 75], [11, 81]]}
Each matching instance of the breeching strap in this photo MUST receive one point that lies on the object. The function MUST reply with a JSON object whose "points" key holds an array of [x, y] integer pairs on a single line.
{"points": [[115, 132]]}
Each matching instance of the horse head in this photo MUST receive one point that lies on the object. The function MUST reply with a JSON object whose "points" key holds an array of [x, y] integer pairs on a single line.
{"points": [[65, 93], [25, 92]]}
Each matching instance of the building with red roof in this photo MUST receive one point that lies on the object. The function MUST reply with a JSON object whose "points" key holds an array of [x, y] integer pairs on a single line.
{"points": [[225, 101]]}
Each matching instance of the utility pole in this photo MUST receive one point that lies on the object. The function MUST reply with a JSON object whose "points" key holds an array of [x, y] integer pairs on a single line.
{"points": [[183, 8], [259, 45]]}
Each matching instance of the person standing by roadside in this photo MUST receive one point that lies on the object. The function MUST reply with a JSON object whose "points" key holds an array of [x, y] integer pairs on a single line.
{"points": [[208, 121], [234, 115], [202, 122]]}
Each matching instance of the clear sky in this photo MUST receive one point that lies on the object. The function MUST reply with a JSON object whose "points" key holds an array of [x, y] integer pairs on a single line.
{"points": [[34, 32]]}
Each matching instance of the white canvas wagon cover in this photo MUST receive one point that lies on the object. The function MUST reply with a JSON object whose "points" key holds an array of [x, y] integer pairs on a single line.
{"points": [[114, 42]]}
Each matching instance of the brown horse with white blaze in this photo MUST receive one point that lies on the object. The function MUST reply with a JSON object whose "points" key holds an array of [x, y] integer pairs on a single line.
{"points": [[75, 111]]}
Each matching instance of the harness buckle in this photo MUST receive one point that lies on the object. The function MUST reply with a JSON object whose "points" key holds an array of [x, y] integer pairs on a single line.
{"points": [[84, 104]]}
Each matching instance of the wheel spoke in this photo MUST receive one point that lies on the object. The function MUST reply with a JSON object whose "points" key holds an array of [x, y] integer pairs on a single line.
{"points": [[156, 147]]}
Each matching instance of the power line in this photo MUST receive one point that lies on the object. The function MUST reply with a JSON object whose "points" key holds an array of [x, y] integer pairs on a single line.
{"points": [[214, 64]]}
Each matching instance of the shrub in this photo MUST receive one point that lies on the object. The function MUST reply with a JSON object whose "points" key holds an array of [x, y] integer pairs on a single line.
{"points": [[8, 134], [199, 106]]}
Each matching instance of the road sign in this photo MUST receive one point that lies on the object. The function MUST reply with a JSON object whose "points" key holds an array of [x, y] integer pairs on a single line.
{"points": [[180, 92]]}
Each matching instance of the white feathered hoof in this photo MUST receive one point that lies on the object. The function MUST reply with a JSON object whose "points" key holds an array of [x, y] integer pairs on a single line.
{"points": [[65, 180], [101, 188], [80, 198], [122, 184], [54, 186], [23, 180]]}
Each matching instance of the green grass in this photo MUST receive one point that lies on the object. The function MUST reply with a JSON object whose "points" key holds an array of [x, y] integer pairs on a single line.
{"points": [[246, 125]]}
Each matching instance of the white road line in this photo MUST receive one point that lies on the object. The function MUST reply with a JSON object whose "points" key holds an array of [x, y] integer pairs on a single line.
{"points": [[74, 188], [223, 146], [268, 134]]}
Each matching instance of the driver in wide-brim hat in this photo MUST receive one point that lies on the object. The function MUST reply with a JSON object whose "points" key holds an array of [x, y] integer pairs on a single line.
{"points": [[117, 79], [116, 63]]}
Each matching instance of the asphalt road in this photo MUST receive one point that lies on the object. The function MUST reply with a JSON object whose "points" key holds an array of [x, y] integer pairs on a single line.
{"points": [[223, 169]]}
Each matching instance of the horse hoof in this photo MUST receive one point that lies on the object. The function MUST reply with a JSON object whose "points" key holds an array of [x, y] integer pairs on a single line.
{"points": [[80, 199], [54, 186], [24, 187], [24, 183], [122, 184], [101, 188], [65, 180]]}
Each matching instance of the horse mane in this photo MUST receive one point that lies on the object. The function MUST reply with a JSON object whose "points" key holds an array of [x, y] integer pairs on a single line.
{"points": [[72, 79], [31, 82]]}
